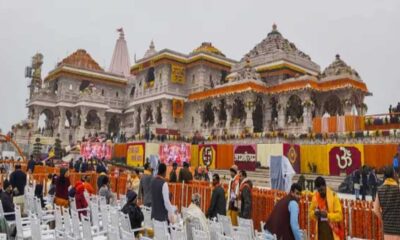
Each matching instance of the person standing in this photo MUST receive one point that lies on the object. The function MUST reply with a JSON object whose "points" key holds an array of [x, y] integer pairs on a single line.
{"points": [[396, 163], [364, 182], [31, 164], [284, 219], [356, 183], [386, 205], [185, 174], [105, 192], [144, 186], [77, 165], [100, 179], [80, 199], [62, 185], [134, 181], [245, 195], [233, 192], [218, 203], [373, 183], [18, 181], [161, 206], [172, 175], [326, 210]]}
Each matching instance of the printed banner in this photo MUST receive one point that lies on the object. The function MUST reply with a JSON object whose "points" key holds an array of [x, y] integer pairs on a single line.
{"points": [[96, 150], [174, 152], [344, 158], [177, 108], [177, 74], [245, 156], [135, 154], [208, 155], [292, 152]]}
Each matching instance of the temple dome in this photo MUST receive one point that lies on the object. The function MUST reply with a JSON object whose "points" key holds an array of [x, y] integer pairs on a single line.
{"points": [[81, 59], [339, 67], [151, 51], [207, 47], [274, 43]]}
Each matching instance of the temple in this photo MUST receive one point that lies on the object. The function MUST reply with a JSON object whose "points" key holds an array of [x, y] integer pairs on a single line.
{"points": [[274, 87]]}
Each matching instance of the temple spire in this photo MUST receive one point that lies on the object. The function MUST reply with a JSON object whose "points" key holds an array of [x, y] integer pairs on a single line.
{"points": [[120, 63], [151, 51]]}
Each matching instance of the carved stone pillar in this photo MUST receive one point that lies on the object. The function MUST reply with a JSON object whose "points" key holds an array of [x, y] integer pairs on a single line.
{"points": [[307, 117], [61, 122], [103, 121], [143, 120], [228, 113], [249, 117], [84, 112]]}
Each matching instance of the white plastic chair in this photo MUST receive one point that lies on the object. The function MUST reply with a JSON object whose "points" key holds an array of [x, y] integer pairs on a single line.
{"points": [[39, 233], [248, 225], [177, 232], [23, 225], [199, 234], [222, 237], [226, 223], [214, 228], [45, 216], [161, 230], [113, 233], [87, 231]]}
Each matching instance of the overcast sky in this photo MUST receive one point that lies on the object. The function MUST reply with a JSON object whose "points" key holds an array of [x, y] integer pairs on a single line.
{"points": [[365, 33]]}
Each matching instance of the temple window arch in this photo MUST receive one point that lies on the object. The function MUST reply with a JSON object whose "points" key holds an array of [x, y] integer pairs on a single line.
{"points": [[84, 84], [294, 109], [222, 116], [92, 120], [46, 123], [238, 110], [333, 105], [102, 92], [114, 125], [132, 93], [208, 114], [258, 115]]}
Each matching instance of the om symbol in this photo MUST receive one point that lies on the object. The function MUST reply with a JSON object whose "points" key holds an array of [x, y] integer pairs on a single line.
{"points": [[345, 160]]}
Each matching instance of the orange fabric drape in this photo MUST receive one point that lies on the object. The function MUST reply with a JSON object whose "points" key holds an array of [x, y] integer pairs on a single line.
{"points": [[224, 156], [332, 124], [379, 155], [120, 150], [317, 125]]}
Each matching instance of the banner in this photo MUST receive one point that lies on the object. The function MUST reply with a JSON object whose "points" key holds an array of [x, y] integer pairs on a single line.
{"points": [[177, 74], [345, 158], [245, 156], [208, 155], [177, 108], [292, 152], [96, 150], [174, 152], [135, 154]]}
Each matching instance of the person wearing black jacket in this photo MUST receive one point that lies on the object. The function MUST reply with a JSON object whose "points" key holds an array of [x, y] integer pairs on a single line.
{"points": [[245, 195], [373, 183], [172, 175], [31, 164], [218, 202], [364, 182], [18, 181], [77, 165], [7, 200], [133, 210]]}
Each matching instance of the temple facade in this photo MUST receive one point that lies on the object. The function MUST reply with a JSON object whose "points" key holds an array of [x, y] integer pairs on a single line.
{"points": [[274, 87]]}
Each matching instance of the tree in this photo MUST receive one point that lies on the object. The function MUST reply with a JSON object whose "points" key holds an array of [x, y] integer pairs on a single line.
{"points": [[37, 148], [57, 149]]}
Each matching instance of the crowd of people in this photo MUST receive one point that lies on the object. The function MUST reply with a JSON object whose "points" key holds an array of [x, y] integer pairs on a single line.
{"points": [[150, 188]]}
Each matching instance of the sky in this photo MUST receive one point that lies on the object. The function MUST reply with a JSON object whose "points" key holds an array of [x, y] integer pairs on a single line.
{"points": [[365, 33]]}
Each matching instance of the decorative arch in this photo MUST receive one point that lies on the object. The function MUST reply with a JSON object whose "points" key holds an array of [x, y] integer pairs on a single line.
{"points": [[92, 120], [222, 117], [294, 110], [114, 125], [238, 110], [68, 119], [333, 105], [46, 119], [149, 114], [208, 114], [258, 115], [159, 113], [274, 108]]}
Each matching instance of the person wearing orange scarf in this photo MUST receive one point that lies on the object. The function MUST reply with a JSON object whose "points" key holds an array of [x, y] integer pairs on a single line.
{"points": [[326, 209]]}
